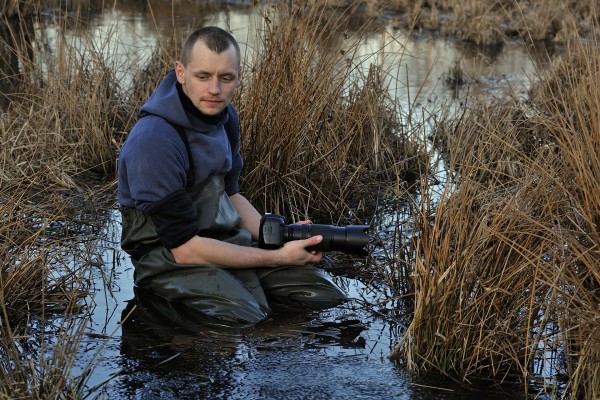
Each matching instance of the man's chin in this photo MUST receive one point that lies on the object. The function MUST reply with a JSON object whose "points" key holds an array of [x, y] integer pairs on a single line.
{"points": [[211, 111]]}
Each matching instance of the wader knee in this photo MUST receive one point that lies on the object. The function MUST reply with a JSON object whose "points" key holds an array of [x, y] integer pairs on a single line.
{"points": [[292, 289]]}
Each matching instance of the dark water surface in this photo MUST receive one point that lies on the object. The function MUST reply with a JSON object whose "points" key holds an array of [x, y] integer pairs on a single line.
{"points": [[166, 353]]}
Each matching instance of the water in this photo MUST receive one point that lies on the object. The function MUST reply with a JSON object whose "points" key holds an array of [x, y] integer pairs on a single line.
{"points": [[334, 354], [164, 353]]}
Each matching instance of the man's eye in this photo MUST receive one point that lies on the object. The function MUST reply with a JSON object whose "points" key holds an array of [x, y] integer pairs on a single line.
{"points": [[202, 77], [226, 79]]}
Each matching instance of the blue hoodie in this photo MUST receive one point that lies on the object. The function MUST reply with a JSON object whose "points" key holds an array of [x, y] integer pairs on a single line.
{"points": [[153, 161]]}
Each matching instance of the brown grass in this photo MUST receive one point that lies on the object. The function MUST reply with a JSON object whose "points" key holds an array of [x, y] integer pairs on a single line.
{"points": [[45, 269], [490, 22], [506, 264], [503, 266], [63, 122], [318, 133], [66, 117]]}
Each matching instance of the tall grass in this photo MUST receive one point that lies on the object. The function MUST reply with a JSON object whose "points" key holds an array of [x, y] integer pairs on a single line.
{"points": [[506, 271], [63, 122], [66, 116], [320, 129]]}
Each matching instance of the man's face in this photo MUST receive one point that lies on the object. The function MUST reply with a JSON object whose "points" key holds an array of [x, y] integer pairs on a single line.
{"points": [[209, 79]]}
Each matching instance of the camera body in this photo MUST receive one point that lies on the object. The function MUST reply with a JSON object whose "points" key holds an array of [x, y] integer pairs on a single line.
{"points": [[350, 239]]}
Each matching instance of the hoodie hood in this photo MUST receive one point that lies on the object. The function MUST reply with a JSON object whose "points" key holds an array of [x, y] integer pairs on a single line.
{"points": [[165, 103]]}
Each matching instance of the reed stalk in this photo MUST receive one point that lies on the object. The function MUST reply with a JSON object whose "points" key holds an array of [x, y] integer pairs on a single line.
{"points": [[72, 96], [43, 275]]}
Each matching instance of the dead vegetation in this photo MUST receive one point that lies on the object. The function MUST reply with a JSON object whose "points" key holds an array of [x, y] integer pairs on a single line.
{"points": [[312, 140], [321, 130], [488, 22], [506, 273], [502, 270]]}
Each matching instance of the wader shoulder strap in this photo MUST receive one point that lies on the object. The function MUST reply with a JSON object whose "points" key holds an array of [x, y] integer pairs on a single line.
{"points": [[191, 174], [232, 126]]}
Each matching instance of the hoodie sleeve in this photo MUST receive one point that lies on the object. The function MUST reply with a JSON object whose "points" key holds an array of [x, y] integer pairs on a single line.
{"points": [[154, 161]]}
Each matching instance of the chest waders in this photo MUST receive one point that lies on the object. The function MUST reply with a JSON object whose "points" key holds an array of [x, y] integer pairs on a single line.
{"points": [[246, 295]]}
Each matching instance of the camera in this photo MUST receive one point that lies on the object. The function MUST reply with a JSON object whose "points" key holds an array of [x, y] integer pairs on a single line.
{"points": [[350, 239]]}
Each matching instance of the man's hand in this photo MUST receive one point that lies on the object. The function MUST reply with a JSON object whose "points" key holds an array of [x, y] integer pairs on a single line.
{"points": [[297, 250]]}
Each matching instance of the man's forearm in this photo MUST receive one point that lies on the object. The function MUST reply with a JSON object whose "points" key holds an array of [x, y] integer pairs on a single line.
{"points": [[207, 251]]}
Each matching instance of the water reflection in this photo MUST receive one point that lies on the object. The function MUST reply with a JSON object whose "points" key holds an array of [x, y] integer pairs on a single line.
{"points": [[150, 322], [167, 339], [129, 32]]}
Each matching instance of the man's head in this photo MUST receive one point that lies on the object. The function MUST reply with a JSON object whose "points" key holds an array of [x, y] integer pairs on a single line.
{"points": [[209, 70]]}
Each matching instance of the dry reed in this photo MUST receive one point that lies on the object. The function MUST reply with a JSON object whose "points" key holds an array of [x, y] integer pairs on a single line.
{"points": [[44, 271], [489, 22], [66, 118], [506, 272], [318, 134], [504, 264], [62, 123]]}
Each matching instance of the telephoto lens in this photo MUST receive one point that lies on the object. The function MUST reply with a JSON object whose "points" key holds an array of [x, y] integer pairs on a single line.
{"points": [[350, 239]]}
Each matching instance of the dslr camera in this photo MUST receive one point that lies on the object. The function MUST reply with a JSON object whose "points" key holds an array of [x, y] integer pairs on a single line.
{"points": [[350, 239]]}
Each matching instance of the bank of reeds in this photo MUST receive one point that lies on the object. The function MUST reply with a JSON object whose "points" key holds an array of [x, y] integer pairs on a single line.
{"points": [[62, 122], [506, 272], [321, 130], [65, 117], [488, 22]]}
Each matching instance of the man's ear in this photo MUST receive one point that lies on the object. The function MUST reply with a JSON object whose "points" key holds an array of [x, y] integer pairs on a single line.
{"points": [[179, 72]]}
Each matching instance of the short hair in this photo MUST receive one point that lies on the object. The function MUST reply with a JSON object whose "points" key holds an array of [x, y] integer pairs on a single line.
{"points": [[215, 38]]}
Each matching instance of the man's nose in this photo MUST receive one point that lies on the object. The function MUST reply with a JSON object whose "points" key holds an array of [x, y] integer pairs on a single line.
{"points": [[214, 86]]}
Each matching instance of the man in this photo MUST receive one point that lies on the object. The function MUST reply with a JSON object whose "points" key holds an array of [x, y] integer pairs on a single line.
{"points": [[186, 226]]}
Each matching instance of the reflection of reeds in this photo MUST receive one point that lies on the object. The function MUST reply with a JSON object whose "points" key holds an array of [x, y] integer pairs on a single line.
{"points": [[506, 267]]}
